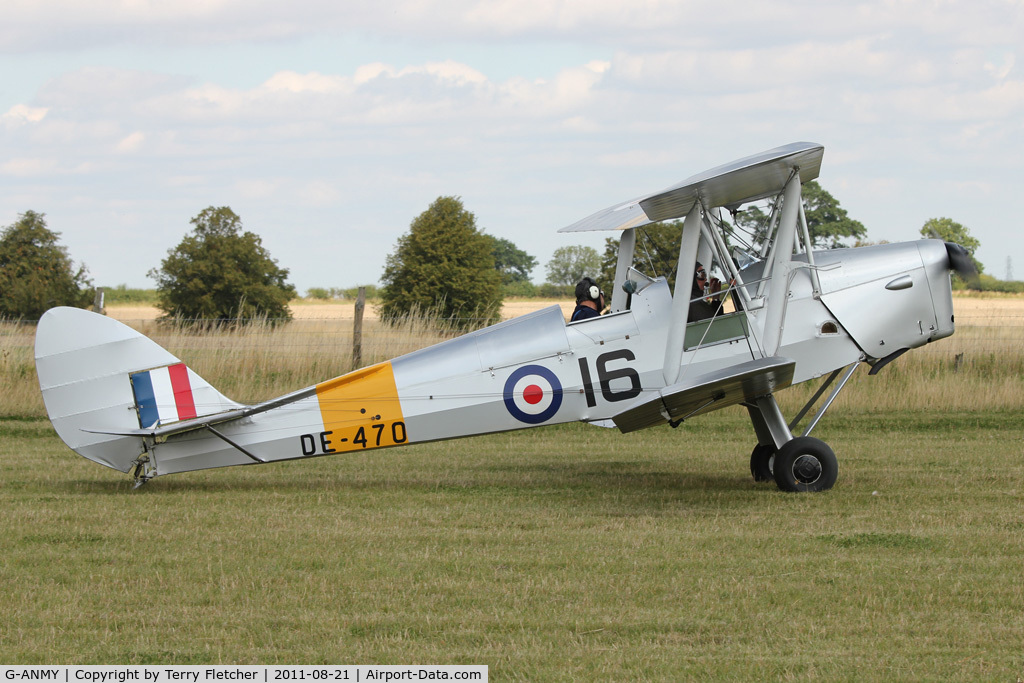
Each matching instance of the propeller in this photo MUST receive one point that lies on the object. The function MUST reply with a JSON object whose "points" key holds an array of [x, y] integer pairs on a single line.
{"points": [[961, 263]]}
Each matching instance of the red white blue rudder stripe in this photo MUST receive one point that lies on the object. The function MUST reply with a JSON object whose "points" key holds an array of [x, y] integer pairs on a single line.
{"points": [[163, 395]]}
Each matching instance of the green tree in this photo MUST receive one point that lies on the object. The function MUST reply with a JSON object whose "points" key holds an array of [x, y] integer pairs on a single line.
{"points": [[827, 222], [512, 263], [444, 266], [36, 272], [948, 230], [568, 265], [219, 273]]}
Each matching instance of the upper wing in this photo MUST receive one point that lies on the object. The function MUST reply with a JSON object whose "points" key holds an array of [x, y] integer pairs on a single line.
{"points": [[745, 180]]}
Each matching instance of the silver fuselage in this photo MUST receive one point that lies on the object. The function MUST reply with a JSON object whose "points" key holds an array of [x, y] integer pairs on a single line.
{"points": [[873, 302]]}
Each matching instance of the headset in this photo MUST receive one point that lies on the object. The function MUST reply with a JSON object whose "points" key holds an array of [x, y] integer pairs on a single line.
{"points": [[587, 290]]}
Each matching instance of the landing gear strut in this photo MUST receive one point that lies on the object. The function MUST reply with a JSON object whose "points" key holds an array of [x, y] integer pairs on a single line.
{"points": [[800, 463]]}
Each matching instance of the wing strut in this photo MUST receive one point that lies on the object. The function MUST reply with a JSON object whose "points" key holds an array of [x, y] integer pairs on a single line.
{"points": [[732, 273], [627, 243], [681, 296], [782, 254]]}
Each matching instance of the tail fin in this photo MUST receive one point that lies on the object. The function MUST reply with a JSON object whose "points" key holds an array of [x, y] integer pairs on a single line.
{"points": [[99, 375]]}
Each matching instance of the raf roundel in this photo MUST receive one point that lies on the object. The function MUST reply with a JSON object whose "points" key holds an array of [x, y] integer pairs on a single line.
{"points": [[533, 394]]}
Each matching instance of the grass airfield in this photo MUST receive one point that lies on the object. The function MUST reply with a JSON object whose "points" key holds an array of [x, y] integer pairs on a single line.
{"points": [[566, 553], [563, 553]]}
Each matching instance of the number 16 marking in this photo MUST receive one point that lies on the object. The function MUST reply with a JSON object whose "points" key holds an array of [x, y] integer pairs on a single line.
{"points": [[606, 376]]}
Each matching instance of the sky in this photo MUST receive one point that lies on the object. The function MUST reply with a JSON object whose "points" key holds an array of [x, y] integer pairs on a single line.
{"points": [[329, 126]]}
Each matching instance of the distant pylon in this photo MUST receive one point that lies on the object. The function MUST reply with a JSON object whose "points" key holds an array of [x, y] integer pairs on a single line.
{"points": [[1009, 269]]}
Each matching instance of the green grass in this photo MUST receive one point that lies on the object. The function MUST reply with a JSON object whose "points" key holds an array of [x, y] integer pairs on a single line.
{"points": [[566, 553], [123, 294]]}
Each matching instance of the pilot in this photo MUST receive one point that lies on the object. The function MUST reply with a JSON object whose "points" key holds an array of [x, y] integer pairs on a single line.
{"points": [[703, 304], [589, 300]]}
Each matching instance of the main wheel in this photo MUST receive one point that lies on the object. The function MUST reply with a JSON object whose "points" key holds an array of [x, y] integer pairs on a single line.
{"points": [[805, 464], [761, 461]]}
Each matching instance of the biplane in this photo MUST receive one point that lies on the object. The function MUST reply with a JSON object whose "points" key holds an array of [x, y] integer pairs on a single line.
{"points": [[799, 314]]}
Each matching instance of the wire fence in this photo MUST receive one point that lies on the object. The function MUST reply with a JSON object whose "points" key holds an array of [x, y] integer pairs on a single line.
{"points": [[983, 332]]}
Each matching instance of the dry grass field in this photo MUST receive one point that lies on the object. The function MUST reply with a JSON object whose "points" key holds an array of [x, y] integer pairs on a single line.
{"points": [[972, 310], [979, 367], [306, 309]]}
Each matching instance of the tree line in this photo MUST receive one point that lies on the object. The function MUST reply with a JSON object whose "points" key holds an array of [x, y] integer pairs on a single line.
{"points": [[445, 266]]}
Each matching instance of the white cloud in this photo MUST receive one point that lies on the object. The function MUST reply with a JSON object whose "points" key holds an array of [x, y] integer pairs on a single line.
{"points": [[581, 124], [319, 193], [421, 97], [1002, 70], [647, 24], [448, 71], [28, 167], [637, 158], [945, 103], [41, 167], [312, 82], [865, 62], [973, 187], [257, 188], [368, 72], [443, 93], [131, 142], [21, 114]]}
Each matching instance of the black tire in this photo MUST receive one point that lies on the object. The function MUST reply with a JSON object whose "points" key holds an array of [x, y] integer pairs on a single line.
{"points": [[761, 461], [805, 464]]}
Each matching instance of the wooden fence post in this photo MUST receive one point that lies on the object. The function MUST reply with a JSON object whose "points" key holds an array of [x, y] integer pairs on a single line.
{"points": [[97, 302], [357, 330]]}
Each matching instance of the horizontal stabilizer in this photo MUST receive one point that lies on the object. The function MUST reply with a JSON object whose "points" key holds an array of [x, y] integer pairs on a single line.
{"points": [[707, 392], [745, 180], [160, 431]]}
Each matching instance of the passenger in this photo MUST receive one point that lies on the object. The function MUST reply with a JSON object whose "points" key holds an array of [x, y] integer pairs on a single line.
{"points": [[703, 303], [589, 300]]}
